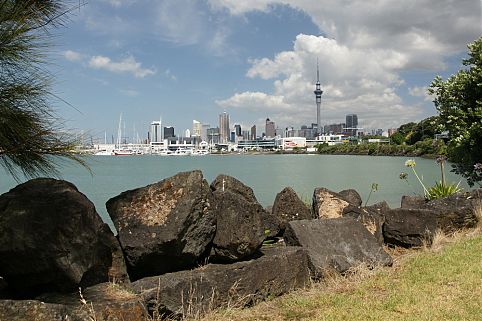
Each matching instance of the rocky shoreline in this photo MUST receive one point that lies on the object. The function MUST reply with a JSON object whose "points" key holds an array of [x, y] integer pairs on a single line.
{"points": [[185, 247]]}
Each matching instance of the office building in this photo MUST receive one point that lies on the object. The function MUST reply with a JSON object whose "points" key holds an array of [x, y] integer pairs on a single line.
{"points": [[270, 129], [196, 128], [237, 130], [224, 127], [169, 132], [204, 132], [213, 136], [253, 132], [351, 124], [155, 133]]}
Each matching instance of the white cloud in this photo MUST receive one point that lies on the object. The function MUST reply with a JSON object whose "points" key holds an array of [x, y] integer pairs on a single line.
{"points": [[127, 65], [71, 55], [254, 101], [354, 80], [420, 92]]}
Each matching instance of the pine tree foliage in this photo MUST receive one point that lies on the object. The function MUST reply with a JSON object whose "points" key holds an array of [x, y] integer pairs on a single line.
{"points": [[32, 140]]}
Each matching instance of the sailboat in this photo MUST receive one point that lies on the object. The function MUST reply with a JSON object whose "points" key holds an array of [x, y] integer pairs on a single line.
{"points": [[120, 150]]}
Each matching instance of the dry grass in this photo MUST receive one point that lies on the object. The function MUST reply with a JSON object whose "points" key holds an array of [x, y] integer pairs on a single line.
{"points": [[438, 283]]}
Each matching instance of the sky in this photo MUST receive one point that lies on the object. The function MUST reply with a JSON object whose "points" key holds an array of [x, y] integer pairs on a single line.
{"points": [[181, 60]]}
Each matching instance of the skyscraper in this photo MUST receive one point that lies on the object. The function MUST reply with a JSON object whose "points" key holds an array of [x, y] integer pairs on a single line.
{"points": [[224, 131], [351, 124], [169, 132], [237, 130], [253, 132], [196, 128], [270, 130], [156, 131], [318, 93]]}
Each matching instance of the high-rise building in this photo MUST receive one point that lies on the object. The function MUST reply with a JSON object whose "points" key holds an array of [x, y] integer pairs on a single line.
{"points": [[156, 132], [351, 124], [187, 133], [237, 129], [253, 132], [204, 132], [224, 127], [213, 135], [318, 92], [270, 129], [169, 132], [196, 128]]}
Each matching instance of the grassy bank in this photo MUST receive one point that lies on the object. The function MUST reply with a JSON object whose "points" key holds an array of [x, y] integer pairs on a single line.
{"points": [[441, 283]]}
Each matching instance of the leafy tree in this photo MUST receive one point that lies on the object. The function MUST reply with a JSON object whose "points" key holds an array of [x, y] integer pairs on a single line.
{"points": [[31, 136], [459, 103], [397, 138]]}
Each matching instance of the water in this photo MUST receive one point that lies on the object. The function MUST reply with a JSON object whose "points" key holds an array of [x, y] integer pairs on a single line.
{"points": [[266, 174]]}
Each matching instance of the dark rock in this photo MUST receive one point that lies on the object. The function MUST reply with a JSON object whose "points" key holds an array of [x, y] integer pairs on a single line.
{"points": [[340, 244], [271, 225], [269, 209], [233, 185], [289, 207], [457, 211], [369, 217], [453, 213], [240, 227], [166, 226], [32, 310], [413, 201], [328, 204], [351, 196], [409, 227], [278, 271], [381, 208], [52, 239], [105, 301]]}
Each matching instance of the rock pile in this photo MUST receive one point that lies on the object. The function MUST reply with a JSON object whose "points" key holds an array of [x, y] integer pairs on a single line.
{"points": [[185, 246]]}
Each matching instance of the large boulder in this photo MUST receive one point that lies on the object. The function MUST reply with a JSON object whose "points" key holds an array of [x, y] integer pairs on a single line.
{"points": [[351, 196], [240, 229], [52, 239], [289, 207], [166, 226], [369, 217], [328, 204], [228, 183], [225, 183], [453, 213], [339, 244], [102, 302], [194, 292], [409, 227]]}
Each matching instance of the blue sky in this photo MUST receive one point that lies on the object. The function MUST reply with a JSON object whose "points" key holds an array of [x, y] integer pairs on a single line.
{"points": [[194, 59]]}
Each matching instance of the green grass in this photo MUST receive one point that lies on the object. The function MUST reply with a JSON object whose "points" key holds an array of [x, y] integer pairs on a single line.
{"points": [[444, 283]]}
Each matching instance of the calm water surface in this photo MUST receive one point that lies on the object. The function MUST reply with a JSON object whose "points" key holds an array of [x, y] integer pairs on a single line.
{"points": [[266, 174]]}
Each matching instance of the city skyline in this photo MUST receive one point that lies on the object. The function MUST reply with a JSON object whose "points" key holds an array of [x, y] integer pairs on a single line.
{"points": [[189, 59]]}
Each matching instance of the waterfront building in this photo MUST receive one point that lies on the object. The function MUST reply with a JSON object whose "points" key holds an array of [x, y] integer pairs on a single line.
{"points": [[257, 144], [270, 129], [224, 127], [169, 132], [332, 139], [351, 124], [253, 132], [318, 92], [196, 128], [156, 133], [213, 136], [335, 128], [187, 133], [290, 143], [237, 130], [204, 132]]}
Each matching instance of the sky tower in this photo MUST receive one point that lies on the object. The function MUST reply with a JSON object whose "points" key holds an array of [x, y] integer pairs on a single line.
{"points": [[318, 93]]}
